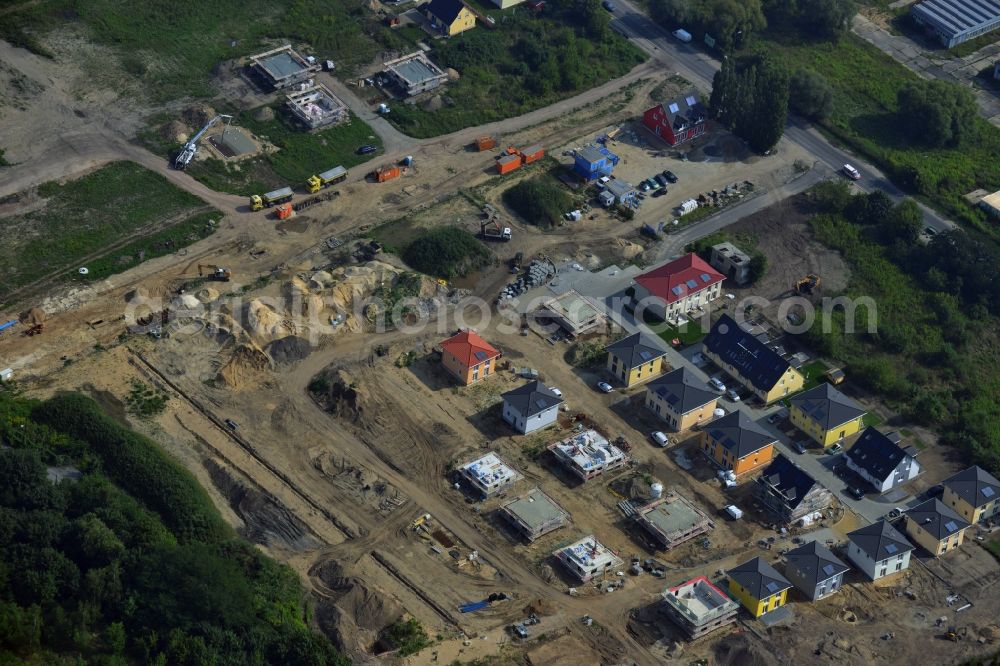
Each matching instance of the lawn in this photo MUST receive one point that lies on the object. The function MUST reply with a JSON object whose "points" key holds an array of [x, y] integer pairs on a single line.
{"points": [[83, 218], [689, 333], [300, 154], [173, 47], [528, 62], [865, 83], [813, 372]]}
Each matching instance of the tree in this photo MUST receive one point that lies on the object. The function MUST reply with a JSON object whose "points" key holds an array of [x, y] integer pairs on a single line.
{"points": [[810, 94], [750, 97], [903, 223], [826, 19], [937, 113], [758, 266]]}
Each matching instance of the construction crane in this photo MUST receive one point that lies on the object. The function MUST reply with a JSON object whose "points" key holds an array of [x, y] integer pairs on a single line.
{"points": [[215, 272], [191, 147]]}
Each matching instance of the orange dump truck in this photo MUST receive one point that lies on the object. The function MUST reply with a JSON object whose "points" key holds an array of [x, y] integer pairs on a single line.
{"points": [[508, 163], [385, 173], [532, 153], [485, 143]]}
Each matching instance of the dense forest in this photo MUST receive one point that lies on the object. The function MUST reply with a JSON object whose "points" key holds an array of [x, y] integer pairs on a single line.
{"points": [[130, 563]]}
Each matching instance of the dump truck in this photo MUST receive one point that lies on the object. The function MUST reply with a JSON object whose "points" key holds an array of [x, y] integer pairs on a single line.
{"points": [[492, 230], [216, 273], [337, 174], [485, 143], [258, 201], [384, 173]]}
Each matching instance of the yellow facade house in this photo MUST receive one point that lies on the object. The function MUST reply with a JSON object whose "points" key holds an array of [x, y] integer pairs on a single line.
{"points": [[758, 586], [451, 17], [973, 494], [935, 527], [826, 415], [751, 362], [634, 359], [680, 399]]}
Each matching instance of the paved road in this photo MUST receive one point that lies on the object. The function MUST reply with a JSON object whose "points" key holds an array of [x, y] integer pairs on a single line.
{"points": [[698, 67]]}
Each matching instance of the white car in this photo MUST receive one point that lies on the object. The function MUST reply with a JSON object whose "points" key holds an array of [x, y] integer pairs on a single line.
{"points": [[733, 395], [658, 438], [851, 172], [717, 384], [604, 387]]}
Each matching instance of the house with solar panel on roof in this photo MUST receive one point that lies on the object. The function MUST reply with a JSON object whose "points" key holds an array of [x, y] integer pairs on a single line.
{"points": [[678, 120], [468, 358], [814, 570], [758, 586], [751, 362], [957, 21], [635, 359], [681, 399], [935, 527], [676, 288], [531, 407], [737, 443], [826, 415], [879, 550], [881, 461], [973, 494], [789, 494]]}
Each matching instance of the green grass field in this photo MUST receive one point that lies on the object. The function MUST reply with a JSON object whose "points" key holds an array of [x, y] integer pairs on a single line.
{"points": [[300, 154], [120, 203]]}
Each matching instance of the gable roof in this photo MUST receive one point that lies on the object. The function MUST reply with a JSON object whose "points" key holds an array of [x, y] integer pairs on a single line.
{"points": [[739, 434], [684, 111], [679, 278], [876, 453], [975, 485], [754, 360], [788, 479], [445, 11], [469, 348], [827, 406], [635, 350], [936, 518], [880, 541], [532, 398], [759, 578], [816, 562], [682, 390]]}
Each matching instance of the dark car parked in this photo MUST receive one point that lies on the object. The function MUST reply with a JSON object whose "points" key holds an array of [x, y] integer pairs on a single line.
{"points": [[368, 148], [669, 175]]}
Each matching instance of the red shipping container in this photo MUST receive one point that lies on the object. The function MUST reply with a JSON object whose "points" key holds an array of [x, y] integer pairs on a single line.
{"points": [[533, 153], [508, 163]]}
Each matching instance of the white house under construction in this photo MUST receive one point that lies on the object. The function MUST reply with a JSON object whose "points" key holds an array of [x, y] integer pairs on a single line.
{"points": [[534, 515], [588, 454], [587, 558], [282, 67], [317, 107], [489, 474], [415, 73]]}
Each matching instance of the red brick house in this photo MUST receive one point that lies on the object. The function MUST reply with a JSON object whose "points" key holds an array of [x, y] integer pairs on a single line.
{"points": [[677, 120]]}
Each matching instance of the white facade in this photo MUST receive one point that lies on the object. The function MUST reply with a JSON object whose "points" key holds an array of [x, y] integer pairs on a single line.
{"points": [[880, 569], [587, 558], [670, 311], [532, 423], [588, 454], [907, 469], [489, 474]]}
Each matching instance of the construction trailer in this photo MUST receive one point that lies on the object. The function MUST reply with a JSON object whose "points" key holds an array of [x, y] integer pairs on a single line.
{"points": [[259, 201], [317, 107], [337, 174], [284, 211], [388, 172], [532, 153], [508, 163], [282, 67]]}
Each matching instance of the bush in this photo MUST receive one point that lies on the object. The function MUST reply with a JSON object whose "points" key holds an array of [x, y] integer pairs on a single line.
{"points": [[408, 636], [138, 465], [446, 252], [539, 201], [810, 94], [947, 112]]}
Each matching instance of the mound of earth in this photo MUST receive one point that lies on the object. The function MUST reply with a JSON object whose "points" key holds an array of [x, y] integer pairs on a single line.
{"points": [[266, 324], [628, 249], [288, 349], [198, 115], [263, 114], [342, 396], [207, 295], [175, 131], [245, 367], [320, 280], [32, 316], [352, 612], [434, 103]]}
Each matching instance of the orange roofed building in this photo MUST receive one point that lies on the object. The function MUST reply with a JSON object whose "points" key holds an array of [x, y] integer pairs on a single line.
{"points": [[468, 357]]}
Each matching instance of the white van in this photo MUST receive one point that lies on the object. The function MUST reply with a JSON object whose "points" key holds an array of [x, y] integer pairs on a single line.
{"points": [[851, 172], [682, 34]]}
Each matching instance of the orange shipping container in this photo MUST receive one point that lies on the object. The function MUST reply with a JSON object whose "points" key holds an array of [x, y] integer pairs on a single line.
{"points": [[533, 153], [485, 143], [283, 212], [508, 163], [385, 173]]}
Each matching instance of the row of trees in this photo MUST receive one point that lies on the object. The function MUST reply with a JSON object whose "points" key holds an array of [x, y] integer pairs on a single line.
{"points": [[750, 97], [732, 22], [90, 573]]}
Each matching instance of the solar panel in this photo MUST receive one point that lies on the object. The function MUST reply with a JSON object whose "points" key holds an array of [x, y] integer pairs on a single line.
{"points": [[480, 355], [950, 526], [673, 399], [828, 569], [705, 277], [674, 108], [772, 587], [690, 100], [541, 404], [987, 492], [692, 284], [678, 290], [645, 355], [891, 548]]}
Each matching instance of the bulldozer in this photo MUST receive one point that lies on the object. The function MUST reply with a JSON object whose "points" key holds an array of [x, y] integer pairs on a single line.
{"points": [[808, 284], [216, 273]]}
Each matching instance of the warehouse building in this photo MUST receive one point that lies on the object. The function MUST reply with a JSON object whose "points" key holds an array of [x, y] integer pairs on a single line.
{"points": [[282, 67], [957, 21], [415, 73]]}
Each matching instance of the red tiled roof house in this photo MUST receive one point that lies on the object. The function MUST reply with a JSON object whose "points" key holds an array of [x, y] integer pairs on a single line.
{"points": [[468, 357], [677, 287]]}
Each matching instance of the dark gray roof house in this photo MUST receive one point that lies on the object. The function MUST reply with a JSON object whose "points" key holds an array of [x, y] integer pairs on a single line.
{"points": [[739, 434], [788, 493], [532, 398], [635, 350], [756, 363], [759, 578], [880, 460], [974, 485], [880, 541], [936, 519], [827, 406], [815, 570], [682, 390]]}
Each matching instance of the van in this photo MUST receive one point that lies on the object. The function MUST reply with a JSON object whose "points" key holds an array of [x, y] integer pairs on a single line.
{"points": [[851, 172], [682, 35]]}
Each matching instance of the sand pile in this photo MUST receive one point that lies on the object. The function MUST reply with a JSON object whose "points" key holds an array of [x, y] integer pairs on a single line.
{"points": [[186, 302], [628, 249], [320, 280], [175, 131], [245, 367], [289, 349], [266, 324], [353, 612], [207, 295], [32, 316]]}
